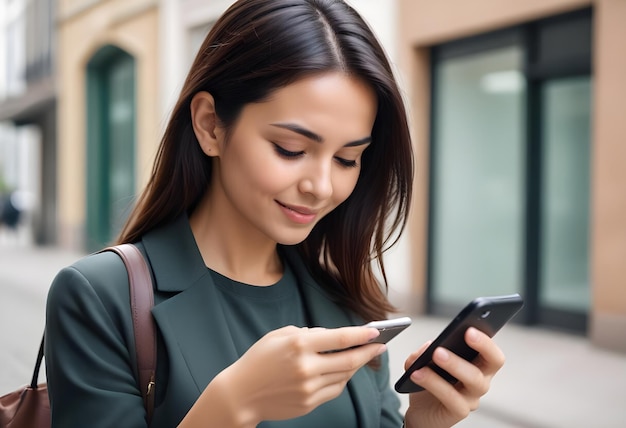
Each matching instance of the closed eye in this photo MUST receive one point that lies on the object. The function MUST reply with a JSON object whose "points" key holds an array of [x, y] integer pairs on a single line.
{"points": [[286, 153], [346, 162]]}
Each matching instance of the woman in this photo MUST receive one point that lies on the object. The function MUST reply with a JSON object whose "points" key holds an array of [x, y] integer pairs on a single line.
{"points": [[284, 171]]}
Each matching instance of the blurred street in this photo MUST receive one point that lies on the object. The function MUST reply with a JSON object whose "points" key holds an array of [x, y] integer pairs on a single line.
{"points": [[550, 379]]}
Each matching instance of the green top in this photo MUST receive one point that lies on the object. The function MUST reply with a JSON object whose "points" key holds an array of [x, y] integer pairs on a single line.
{"points": [[89, 346], [253, 311]]}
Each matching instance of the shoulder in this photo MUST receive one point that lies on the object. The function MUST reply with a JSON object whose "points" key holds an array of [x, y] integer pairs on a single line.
{"points": [[98, 279], [89, 344]]}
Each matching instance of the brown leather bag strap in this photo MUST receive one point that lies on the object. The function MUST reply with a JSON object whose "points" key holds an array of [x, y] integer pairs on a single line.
{"points": [[33, 382], [141, 302]]}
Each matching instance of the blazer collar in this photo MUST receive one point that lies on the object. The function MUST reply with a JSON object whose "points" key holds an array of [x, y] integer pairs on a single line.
{"points": [[190, 320], [174, 256]]}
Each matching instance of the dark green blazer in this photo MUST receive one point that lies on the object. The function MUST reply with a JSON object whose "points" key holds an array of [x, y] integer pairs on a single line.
{"points": [[89, 338]]}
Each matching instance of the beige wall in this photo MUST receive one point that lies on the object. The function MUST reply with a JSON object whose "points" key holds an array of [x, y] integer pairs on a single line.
{"points": [[427, 22], [608, 211], [85, 27]]}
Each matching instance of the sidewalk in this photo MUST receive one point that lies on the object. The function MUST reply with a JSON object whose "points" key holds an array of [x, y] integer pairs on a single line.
{"points": [[25, 275], [550, 380]]}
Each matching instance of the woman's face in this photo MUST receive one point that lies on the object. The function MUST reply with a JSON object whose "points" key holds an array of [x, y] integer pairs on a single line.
{"points": [[292, 159]]}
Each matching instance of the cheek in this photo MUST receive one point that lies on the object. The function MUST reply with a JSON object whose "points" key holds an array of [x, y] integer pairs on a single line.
{"points": [[344, 185], [271, 180], [258, 169]]}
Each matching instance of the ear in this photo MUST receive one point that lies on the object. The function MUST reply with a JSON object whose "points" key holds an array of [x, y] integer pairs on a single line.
{"points": [[206, 123]]}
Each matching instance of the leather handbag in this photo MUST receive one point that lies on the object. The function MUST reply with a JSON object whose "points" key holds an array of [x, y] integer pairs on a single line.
{"points": [[29, 407]]}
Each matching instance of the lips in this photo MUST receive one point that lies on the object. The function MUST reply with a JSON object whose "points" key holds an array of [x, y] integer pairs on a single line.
{"points": [[298, 209], [298, 214]]}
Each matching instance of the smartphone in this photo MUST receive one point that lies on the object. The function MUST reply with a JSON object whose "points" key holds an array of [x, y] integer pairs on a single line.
{"points": [[487, 314], [388, 328]]}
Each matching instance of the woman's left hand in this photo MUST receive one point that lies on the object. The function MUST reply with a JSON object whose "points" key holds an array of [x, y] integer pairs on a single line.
{"points": [[443, 404]]}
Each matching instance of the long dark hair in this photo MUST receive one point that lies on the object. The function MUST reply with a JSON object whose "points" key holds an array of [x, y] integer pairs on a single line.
{"points": [[255, 48]]}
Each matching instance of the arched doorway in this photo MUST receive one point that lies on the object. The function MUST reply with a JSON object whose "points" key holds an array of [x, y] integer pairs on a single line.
{"points": [[111, 141]]}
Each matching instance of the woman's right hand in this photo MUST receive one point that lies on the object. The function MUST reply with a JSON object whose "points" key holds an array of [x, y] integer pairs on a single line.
{"points": [[288, 372]]}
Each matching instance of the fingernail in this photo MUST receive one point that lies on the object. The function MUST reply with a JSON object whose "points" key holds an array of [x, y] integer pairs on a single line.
{"points": [[374, 333], [417, 376], [472, 334], [442, 354]]}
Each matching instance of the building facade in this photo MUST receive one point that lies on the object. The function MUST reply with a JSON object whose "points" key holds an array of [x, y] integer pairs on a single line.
{"points": [[516, 110], [108, 114], [28, 112]]}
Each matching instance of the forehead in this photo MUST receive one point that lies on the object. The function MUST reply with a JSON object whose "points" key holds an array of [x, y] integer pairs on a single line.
{"points": [[332, 104]]}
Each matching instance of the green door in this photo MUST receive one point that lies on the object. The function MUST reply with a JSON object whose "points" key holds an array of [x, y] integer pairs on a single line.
{"points": [[110, 144]]}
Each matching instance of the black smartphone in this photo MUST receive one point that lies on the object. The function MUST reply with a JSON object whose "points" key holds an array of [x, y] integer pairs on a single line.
{"points": [[487, 314], [388, 328]]}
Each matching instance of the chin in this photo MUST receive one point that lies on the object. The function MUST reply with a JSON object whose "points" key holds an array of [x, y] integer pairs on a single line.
{"points": [[292, 239]]}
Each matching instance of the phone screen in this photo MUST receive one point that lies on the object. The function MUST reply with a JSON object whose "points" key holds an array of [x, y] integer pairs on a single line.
{"points": [[487, 314]]}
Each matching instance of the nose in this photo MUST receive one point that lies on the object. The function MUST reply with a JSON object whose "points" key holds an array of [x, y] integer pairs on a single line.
{"points": [[317, 180]]}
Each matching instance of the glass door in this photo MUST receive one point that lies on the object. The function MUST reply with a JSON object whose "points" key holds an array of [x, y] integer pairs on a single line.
{"points": [[564, 245], [478, 176], [510, 170]]}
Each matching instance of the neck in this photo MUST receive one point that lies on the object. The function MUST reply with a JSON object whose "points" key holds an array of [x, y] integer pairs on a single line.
{"points": [[230, 246]]}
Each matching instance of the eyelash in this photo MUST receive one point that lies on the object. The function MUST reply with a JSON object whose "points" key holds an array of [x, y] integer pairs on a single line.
{"points": [[292, 155]]}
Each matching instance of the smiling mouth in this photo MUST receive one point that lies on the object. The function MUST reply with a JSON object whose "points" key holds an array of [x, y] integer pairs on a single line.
{"points": [[299, 210]]}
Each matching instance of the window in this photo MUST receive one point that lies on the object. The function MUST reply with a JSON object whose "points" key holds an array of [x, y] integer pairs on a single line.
{"points": [[510, 169], [478, 167]]}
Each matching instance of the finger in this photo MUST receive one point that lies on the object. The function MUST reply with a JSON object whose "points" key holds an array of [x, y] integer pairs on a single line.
{"points": [[311, 329], [336, 378], [314, 329], [411, 358], [326, 393], [350, 360], [449, 396], [471, 378], [332, 339], [288, 330], [490, 357]]}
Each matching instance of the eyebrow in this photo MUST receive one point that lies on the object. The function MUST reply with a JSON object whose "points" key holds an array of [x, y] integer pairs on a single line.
{"points": [[316, 137]]}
